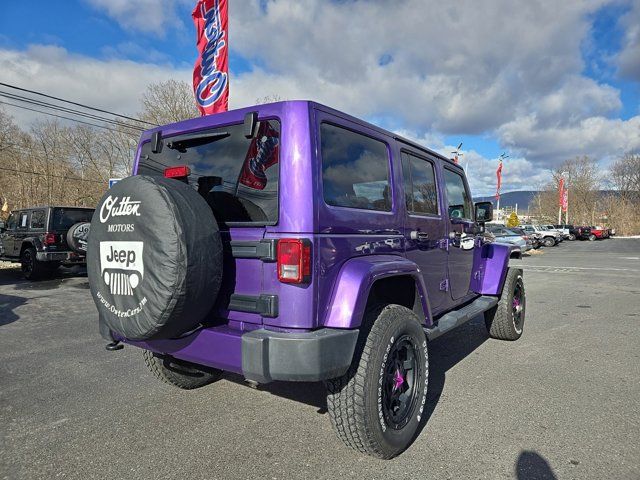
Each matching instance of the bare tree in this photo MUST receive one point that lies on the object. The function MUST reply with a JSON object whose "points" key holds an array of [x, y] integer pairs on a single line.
{"points": [[625, 177], [168, 102]]}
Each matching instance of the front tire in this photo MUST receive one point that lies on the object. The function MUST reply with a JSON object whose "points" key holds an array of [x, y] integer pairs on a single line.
{"points": [[377, 406], [184, 375], [592, 237], [505, 321], [549, 241], [572, 237]]}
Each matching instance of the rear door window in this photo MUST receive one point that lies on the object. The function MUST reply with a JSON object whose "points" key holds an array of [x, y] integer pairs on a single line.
{"points": [[237, 176], [355, 169], [37, 219]]}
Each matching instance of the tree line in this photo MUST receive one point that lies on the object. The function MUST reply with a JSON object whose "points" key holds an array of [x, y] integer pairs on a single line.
{"points": [[62, 163], [596, 197]]}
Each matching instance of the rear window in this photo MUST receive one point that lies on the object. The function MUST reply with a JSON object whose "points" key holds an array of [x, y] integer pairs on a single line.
{"points": [[237, 176], [64, 218]]}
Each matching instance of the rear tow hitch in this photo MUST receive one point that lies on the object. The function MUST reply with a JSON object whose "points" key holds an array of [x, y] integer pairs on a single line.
{"points": [[113, 346]]}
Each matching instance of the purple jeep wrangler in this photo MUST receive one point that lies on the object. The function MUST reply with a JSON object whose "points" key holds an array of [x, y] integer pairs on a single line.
{"points": [[293, 242]]}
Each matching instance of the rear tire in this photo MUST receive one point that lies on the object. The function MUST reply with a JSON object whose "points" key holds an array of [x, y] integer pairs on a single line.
{"points": [[32, 268], [505, 321], [377, 406], [572, 237], [178, 373], [592, 237]]}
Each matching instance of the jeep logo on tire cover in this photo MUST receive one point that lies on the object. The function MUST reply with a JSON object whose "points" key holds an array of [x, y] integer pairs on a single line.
{"points": [[121, 266]]}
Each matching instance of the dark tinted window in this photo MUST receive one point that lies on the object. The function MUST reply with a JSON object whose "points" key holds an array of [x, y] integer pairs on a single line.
{"points": [[355, 169], [64, 218], [37, 219], [11, 222], [457, 195], [419, 185], [238, 176]]}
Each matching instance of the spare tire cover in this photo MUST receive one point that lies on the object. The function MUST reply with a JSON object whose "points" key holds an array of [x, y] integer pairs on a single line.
{"points": [[77, 236], [154, 258]]}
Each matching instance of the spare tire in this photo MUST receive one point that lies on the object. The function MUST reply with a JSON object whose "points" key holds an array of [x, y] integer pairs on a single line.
{"points": [[77, 236], [154, 258]]}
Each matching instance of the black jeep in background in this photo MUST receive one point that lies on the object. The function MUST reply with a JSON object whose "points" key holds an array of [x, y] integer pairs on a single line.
{"points": [[43, 238]]}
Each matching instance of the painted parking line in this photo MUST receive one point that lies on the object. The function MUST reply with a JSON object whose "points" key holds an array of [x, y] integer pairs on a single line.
{"points": [[558, 268]]}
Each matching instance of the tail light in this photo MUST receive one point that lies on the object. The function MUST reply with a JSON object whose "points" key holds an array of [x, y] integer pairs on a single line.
{"points": [[294, 260], [49, 238], [181, 171]]}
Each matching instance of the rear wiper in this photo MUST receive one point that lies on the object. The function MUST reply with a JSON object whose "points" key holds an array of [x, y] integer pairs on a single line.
{"points": [[181, 144]]}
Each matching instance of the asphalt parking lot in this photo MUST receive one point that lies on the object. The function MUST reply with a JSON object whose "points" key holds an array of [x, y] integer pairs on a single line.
{"points": [[562, 402]]}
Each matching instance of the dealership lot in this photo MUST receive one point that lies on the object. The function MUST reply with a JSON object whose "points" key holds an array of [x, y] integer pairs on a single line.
{"points": [[562, 402]]}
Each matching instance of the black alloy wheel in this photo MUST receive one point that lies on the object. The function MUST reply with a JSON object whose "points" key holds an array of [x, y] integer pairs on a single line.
{"points": [[399, 393]]}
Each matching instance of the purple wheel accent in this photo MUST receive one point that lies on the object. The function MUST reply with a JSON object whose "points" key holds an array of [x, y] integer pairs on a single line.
{"points": [[399, 392], [517, 307]]}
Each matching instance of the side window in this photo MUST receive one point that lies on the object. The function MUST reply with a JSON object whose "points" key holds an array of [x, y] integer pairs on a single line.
{"points": [[457, 196], [420, 191], [355, 169], [11, 222], [24, 217], [37, 219]]}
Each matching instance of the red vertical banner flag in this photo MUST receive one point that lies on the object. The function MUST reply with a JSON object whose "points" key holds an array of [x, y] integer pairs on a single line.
{"points": [[561, 192], [211, 70], [499, 176]]}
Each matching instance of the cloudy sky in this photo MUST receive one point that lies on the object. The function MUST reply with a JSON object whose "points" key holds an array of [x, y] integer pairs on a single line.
{"points": [[541, 80]]}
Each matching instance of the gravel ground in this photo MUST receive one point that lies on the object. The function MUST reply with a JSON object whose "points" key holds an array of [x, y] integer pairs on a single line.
{"points": [[562, 402]]}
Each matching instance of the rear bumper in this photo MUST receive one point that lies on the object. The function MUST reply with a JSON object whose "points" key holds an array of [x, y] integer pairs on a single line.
{"points": [[64, 257], [298, 357], [263, 355]]}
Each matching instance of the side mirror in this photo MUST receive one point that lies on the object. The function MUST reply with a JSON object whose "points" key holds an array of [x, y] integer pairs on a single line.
{"points": [[484, 212], [456, 211]]}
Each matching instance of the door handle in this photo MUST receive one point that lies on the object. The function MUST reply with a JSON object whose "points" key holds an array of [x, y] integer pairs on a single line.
{"points": [[419, 236]]}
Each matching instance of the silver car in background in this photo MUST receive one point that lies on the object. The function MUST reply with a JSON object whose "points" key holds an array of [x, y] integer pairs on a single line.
{"points": [[502, 234]]}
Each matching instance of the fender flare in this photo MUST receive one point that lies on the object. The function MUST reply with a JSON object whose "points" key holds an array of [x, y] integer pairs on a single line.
{"points": [[30, 242], [353, 285], [490, 266]]}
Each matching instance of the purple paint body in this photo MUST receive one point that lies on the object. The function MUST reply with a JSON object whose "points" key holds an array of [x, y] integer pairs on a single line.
{"points": [[351, 248]]}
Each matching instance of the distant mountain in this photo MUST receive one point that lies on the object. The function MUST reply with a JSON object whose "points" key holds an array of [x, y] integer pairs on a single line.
{"points": [[524, 198], [510, 199]]}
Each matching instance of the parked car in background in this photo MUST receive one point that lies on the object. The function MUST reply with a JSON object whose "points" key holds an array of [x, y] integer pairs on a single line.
{"points": [[550, 238], [552, 228], [43, 238], [568, 231], [582, 232], [534, 238], [598, 232], [504, 235]]}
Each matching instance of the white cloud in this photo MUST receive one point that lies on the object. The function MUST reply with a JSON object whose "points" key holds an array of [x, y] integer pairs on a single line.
{"points": [[454, 68], [629, 58], [148, 16], [442, 68], [114, 85], [597, 137]]}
